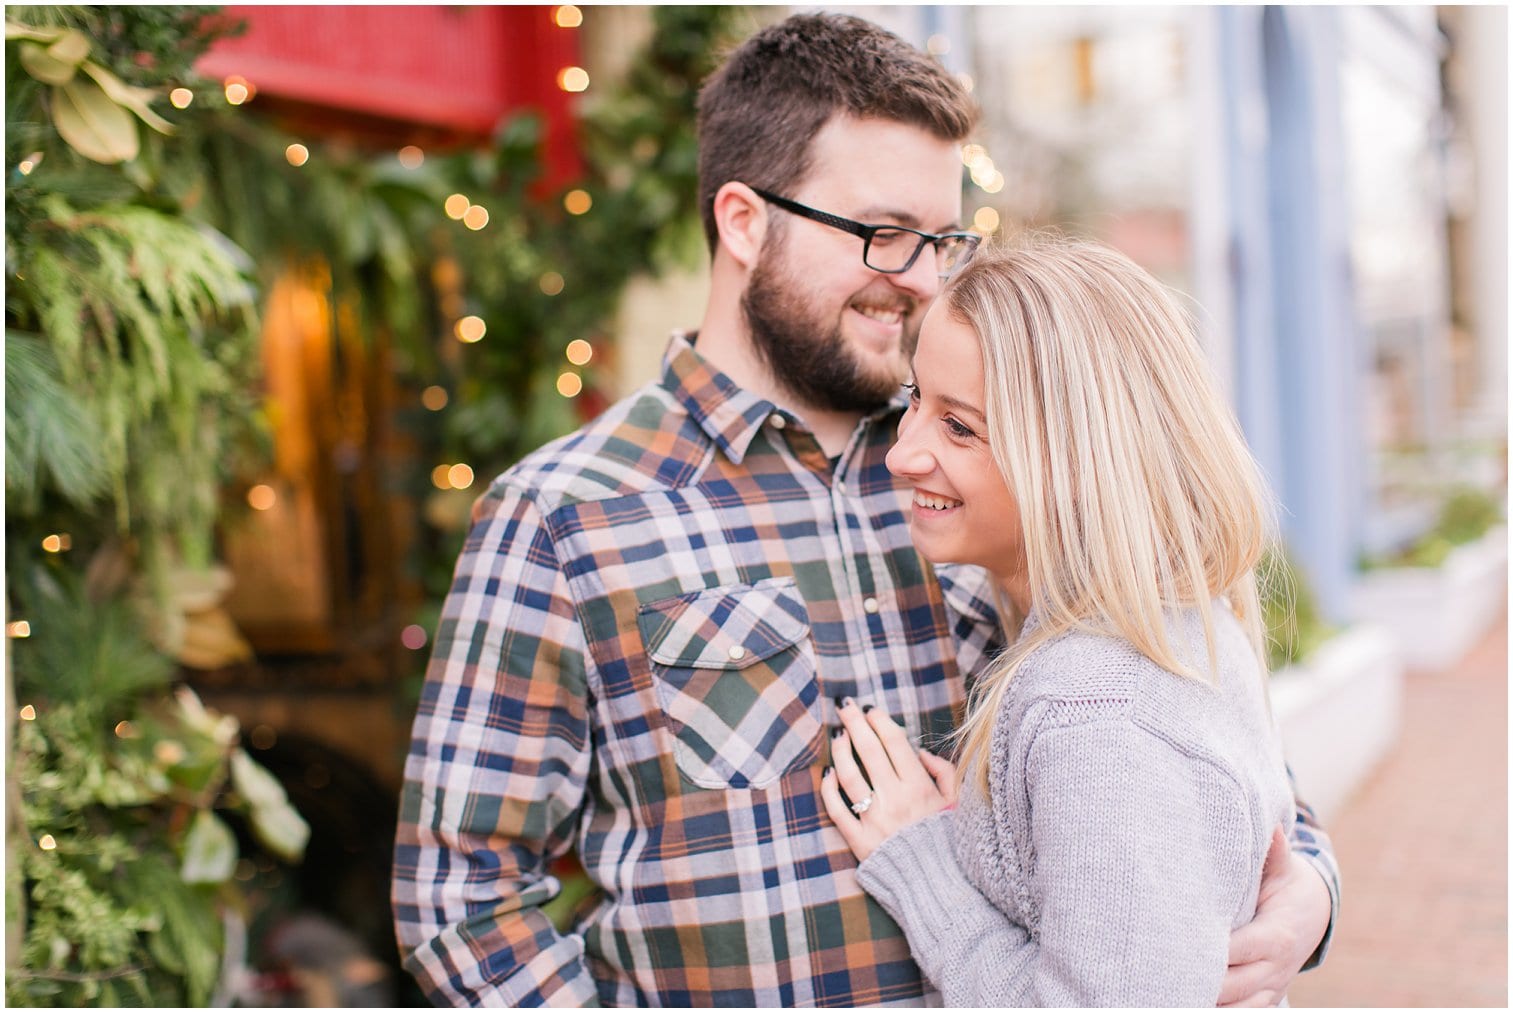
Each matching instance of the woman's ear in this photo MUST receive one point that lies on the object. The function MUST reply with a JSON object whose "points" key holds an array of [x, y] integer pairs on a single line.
{"points": [[740, 216]]}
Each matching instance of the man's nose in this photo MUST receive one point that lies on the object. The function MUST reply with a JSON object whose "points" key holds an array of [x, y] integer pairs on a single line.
{"points": [[922, 279]]}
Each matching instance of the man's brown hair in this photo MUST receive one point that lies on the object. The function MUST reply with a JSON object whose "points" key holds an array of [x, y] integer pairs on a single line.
{"points": [[759, 112]]}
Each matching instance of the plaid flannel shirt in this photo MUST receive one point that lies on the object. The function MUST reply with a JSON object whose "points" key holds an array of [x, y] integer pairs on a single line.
{"points": [[638, 660]]}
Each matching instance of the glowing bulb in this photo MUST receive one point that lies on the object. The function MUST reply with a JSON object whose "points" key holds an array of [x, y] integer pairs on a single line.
{"points": [[46, 842], [995, 184], [456, 206], [966, 81], [439, 476], [18, 630], [125, 730], [238, 89], [986, 220], [413, 637], [569, 384], [470, 329], [971, 153], [434, 398], [579, 352], [572, 79], [180, 98], [938, 45], [28, 713], [551, 283], [577, 202], [411, 157], [261, 497], [567, 16], [26, 166], [52, 543], [476, 217], [297, 154], [460, 476]]}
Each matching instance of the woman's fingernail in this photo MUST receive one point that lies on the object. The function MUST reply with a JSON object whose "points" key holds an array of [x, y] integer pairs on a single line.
{"points": [[840, 701], [867, 708], [837, 732]]}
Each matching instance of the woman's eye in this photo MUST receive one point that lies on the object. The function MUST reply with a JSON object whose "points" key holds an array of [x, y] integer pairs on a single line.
{"points": [[958, 430]]}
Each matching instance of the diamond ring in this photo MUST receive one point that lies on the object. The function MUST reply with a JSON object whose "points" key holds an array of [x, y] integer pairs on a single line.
{"points": [[862, 806]]}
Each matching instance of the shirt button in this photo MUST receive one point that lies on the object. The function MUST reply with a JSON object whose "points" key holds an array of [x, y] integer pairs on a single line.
{"points": [[778, 422], [840, 487], [737, 652], [870, 606]]}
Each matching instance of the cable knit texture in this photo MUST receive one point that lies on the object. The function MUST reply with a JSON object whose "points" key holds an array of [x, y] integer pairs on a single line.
{"points": [[1128, 817]]}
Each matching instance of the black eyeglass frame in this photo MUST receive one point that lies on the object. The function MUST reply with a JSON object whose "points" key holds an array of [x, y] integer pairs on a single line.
{"points": [[866, 232]]}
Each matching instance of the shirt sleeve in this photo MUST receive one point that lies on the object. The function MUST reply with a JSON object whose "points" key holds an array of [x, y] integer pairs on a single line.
{"points": [[1312, 844], [496, 775], [1142, 861]]}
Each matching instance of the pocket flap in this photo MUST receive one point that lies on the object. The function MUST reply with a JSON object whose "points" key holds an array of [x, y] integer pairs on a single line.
{"points": [[724, 627]]}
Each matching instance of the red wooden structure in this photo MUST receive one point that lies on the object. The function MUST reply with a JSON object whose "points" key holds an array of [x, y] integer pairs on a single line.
{"points": [[446, 74]]}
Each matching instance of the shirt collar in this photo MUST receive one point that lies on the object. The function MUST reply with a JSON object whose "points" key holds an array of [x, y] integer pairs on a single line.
{"points": [[730, 415]]}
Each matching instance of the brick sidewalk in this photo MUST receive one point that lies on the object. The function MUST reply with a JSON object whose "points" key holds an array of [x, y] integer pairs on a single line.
{"points": [[1423, 850]]}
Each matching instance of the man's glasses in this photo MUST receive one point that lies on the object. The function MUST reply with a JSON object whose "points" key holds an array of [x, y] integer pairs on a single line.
{"points": [[890, 249]]}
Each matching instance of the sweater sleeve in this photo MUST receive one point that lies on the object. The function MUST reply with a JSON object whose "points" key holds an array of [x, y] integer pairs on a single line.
{"points": [[953, 930], [1141, 861]]}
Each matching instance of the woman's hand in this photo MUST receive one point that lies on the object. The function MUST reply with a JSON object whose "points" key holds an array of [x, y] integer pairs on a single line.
{"points": [[907, 784]]}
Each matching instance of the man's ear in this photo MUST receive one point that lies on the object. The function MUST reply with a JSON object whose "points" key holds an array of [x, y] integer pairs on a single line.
{"points": [[740, 216]]}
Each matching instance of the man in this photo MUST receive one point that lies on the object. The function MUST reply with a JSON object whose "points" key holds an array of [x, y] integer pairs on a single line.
{"points": [[652, 617]]}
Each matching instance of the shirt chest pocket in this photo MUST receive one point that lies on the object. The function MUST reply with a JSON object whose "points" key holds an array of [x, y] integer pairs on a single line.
{"points": [[734, 671]]}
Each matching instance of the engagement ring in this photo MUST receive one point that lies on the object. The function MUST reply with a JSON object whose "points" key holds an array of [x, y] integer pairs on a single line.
{"points": [[862, 806]]}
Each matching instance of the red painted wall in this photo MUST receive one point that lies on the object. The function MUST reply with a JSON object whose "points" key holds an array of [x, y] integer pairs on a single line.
{"points": [[461, 68]]}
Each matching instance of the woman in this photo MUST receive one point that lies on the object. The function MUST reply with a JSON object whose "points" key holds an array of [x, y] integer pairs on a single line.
{"points": [[1120, 779]]}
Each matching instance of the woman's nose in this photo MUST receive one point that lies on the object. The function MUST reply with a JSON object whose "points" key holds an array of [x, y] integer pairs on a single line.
{"points": [[908, 456]]}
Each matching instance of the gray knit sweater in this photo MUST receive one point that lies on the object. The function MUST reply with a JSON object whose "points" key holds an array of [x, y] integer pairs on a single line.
{"points": [[1130, 812]]}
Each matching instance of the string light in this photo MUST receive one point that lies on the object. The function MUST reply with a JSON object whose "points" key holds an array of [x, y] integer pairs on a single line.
{"points": [[125, 730], [261, 497], [180, 98], [411, 156], [25, 166], [456, 206], [572, 79], [238, 89], [470, 329], [413, 637], [995, 184], [476, 217], [938, 45], [460, 476], [434, 398], [297, 154], [168, 752], [567, 16], [57, 543], [569, 384], [577, 202], [579, 352], [551, 283], [46, 842], [971, 153], [439, 476], [966, 82], [986, 220], [264, 737], [28, 713], [18, 630]]}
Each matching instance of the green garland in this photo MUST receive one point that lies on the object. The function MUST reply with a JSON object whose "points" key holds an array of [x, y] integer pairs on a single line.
{"points": [[137, 240]]}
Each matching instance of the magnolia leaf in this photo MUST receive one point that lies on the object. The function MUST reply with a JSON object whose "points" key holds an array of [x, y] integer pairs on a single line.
{"points": [[92, 124], [281, 830], [71, 48], [41, 64], [209, 850], [13, 30], [133, 98], [253, 782]]}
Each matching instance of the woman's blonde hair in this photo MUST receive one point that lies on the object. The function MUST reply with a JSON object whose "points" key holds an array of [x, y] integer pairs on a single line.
{"points": [[1136, 490]]}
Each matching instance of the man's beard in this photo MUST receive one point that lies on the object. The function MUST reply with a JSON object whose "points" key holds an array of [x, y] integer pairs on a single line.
{"points": [[811, 360]]}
